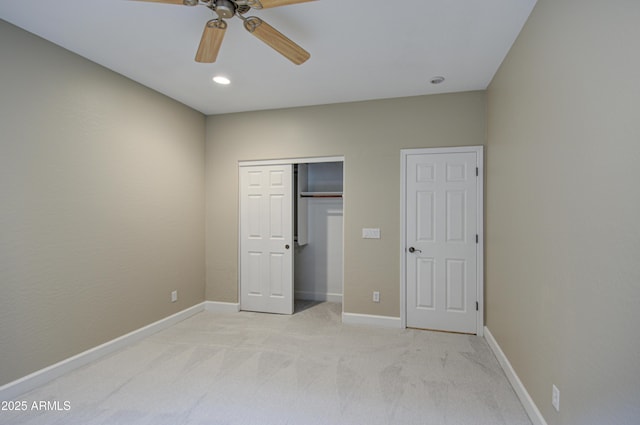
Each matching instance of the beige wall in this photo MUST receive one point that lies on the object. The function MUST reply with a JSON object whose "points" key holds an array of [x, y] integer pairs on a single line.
{"points": [[563, 209], [101, 204], [370, 136]]}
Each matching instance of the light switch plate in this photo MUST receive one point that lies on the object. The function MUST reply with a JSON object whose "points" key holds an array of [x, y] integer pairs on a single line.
{"points": [[371, 233]]}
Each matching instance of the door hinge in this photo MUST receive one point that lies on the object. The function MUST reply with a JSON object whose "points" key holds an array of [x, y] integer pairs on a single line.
{"points": [[477, 307], [477, 171], [477, 241]]}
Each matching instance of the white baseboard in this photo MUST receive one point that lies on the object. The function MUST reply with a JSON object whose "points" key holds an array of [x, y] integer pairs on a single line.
{"points": [[522, 393], [318, 296], [371, 320], [220, 307], [20, 386]]}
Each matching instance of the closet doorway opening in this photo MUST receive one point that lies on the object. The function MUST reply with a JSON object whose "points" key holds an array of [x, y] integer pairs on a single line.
{"points": [[291, 234]]}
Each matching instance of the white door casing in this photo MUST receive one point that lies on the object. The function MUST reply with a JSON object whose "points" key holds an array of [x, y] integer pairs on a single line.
{"points": [[442, 253], [266, 238]]}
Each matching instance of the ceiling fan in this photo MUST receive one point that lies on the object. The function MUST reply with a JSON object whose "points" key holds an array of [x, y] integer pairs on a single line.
{"points": [[226, 9]]}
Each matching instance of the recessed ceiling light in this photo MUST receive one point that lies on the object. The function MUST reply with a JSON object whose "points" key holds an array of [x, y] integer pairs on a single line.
{"points": [[221, 80], [437, 80]]}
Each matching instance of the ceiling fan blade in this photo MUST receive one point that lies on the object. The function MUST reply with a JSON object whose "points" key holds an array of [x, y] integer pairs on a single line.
{"points": [[266, 4], [180, 2], [211, 41], [276, 40]]}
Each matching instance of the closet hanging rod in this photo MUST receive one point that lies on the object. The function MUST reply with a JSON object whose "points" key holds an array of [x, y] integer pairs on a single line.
{"points": [[321, 194]]}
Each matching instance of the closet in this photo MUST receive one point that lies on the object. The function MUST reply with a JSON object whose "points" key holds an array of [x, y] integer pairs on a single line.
{"points": [[291, 233], [318, 231]]}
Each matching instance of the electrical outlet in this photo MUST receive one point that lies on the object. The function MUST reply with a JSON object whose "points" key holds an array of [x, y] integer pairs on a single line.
{"points": [[555, 397], [376, 296], [174, 296]]}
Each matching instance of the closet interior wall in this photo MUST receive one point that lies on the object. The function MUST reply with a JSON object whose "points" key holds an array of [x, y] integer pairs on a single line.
{"points": [[319, 231]]}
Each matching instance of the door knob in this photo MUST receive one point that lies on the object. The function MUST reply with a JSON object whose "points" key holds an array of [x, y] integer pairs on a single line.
{"points": [[286, 246], [412, 249]]}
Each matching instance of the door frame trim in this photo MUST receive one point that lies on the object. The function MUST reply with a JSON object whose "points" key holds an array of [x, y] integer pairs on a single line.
{"points": [[285, 161], [404, 153]]}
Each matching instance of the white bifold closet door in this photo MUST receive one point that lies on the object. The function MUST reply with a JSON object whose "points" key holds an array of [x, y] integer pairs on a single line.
{"points": [[266, 238]]}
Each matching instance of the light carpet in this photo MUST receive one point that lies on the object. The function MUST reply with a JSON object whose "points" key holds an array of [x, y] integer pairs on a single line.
{"points": [[308, 368]]}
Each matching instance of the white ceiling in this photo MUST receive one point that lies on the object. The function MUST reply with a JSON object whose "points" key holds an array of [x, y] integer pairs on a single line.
{"points": [[360, 50]]}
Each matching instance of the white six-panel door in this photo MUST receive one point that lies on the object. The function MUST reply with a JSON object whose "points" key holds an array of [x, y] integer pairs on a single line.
{"points": [[441, 258], [266, 238]]}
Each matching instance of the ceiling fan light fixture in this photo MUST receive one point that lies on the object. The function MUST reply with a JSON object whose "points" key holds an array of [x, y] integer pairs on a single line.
{"points": [[219, 79]]}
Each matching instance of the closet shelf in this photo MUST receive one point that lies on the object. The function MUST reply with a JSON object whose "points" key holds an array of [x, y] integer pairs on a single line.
{"points": [[321, 194]]}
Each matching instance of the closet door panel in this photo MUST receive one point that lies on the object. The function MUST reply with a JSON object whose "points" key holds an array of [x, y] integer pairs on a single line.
{"points": [[266, 238]]}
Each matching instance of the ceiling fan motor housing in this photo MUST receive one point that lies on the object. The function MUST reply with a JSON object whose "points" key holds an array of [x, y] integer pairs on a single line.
{"points": [[225, 8]]}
